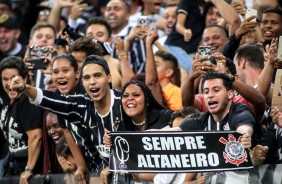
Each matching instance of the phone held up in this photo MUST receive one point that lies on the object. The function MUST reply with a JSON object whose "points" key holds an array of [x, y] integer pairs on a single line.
{"points": [[37, 64], [143, 21], [206, 51], [35, 57]]}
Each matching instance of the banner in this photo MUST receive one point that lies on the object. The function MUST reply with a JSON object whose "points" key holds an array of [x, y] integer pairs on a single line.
{"points": [[172, 152]]}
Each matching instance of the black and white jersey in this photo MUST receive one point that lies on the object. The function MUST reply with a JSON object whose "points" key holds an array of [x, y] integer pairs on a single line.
{"points": [[79, 111], [273, 139]]}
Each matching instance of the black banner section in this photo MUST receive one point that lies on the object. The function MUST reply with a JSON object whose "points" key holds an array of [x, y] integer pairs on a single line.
{"points": [[172, 152]]}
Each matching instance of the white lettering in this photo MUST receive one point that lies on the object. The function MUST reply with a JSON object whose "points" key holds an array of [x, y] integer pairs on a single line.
{"points": [[142, 161], [200, 142], [156, 160], [156, 143], [185, 160], [165, 162], [147, 146], [178, 142], [190, 143], [167, 143], [213, 159], [201, 160], [175, 161]]}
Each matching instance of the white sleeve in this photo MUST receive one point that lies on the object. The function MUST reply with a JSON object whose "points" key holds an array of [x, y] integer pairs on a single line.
{"points": [[38, 98], [169, 178]]}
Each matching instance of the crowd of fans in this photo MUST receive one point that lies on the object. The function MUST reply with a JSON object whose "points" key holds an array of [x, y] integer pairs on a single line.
{"points": [[72, 71]]}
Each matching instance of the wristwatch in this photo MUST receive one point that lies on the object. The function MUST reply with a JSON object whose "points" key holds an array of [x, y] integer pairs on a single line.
{"points": [[27, 169]]}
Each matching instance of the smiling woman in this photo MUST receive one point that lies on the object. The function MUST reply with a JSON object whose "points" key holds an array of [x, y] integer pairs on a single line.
{"points": [[140, 108]]}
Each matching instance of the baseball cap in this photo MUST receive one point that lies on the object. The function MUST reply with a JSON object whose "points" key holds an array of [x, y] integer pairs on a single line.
{"points": [[9, 22]]}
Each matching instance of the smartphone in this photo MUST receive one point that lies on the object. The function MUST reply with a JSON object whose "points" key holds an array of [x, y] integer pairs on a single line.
{"points": [[251, 12], [204, 51], [279, 53], [37, 64], [37, 52], [143, 21]]}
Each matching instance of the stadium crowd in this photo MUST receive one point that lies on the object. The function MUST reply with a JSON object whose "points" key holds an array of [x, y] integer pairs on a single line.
{"points": [[72, 71]]}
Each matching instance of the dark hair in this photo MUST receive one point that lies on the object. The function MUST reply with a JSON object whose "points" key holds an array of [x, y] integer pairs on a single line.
{"points": [[252, 53], [231, 66], [184, 112], [101, 21], [14, 62], [68, 57], [274, 10], [99, 60], [126, 4], [219, 27], [227, 83], [41, 25], [173, 63], [150, 101], [86, 45]]}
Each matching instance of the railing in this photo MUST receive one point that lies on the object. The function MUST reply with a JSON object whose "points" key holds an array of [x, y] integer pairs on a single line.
{"points": [[264, 174]]}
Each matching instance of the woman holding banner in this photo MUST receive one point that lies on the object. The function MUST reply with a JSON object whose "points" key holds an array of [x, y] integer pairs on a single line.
{"points": [[141, 112]]}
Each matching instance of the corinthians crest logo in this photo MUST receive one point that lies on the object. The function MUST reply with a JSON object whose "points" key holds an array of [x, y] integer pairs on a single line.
{"points": [[122, 151], [234, 152]]}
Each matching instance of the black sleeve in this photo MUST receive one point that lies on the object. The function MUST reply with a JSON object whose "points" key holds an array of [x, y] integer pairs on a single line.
{"points": [[183, 7], [269, 139], [243, 118], [70, 107], [231, 47], [30, 115], [190, 124]]}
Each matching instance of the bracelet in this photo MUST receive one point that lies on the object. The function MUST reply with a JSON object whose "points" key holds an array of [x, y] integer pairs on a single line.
{"points": [[21, 90], [28, 169], [122, 56]]}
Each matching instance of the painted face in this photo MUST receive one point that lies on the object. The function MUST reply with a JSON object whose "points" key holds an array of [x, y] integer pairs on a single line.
{"points": [[79, 56], [116, 15], [7, 75], [212, 16], [271, 26], [53, 128], [8, 38], [216, 97], [213, 37], [96, 82], [161, 68], [170, 18], [64, 76], [43, 37], [98, 32], [133, 102]]}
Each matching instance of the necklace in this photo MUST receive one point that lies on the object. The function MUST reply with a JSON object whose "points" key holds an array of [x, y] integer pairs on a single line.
{"points": [[139, 124]]}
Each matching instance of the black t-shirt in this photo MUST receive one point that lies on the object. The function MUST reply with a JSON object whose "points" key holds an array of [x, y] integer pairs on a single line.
{"points": [[156, 119], [16, 119], [273, 139], [194, 21], [238, 115]]}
